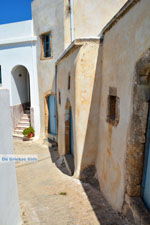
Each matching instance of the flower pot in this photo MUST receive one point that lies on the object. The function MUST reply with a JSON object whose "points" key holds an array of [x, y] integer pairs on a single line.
{"points": [[30, 135]]}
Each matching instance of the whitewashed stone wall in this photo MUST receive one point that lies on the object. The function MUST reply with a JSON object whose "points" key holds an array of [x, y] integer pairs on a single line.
{"points": [[9, 206]]}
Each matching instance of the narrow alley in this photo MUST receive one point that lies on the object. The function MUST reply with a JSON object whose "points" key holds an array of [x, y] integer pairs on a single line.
{"points": [[49, 197], [75, 112]]}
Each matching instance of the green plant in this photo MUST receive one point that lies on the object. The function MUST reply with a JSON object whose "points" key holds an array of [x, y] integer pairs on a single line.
{"points": [[28, 131]]}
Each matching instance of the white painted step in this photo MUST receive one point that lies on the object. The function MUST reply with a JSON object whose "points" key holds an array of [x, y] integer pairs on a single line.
{"points": [[26, 116], [23, 124], [27, 120], [17, 136], [17, 131], [21, 128]]}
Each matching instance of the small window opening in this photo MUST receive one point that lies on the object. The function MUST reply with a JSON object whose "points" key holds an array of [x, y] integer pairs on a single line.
{"points": [[69, 79], [113, 107], [69, 7], [59, 98]]}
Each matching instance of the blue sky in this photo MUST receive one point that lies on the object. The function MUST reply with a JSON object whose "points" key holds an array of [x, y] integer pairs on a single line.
{"points": [[14, 10]]}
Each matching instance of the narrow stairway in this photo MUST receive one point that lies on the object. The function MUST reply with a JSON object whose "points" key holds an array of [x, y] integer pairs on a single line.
{"points": [[23, 123]]}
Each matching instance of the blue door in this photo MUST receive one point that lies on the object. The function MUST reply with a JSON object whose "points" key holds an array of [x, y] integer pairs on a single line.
{"points": [[52, 114], [146, 176], [71, 133]]}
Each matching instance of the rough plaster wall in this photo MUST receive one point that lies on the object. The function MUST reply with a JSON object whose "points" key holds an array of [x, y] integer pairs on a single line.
{"points": [[91, 17], [87, 101], [9, 207], [81, 65], [48, 16], [123, 46], [67, 24], [65, 68]]}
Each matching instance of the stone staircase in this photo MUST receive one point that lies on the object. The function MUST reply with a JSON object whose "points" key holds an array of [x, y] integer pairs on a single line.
{"points": [[23, 123]]}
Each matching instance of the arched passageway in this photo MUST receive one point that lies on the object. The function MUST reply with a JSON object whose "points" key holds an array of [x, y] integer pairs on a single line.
{"points": [[20, 86], [20, 92]]}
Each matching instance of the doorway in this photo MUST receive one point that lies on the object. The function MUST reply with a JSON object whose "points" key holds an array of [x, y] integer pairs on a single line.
{"points": [[20, 93], [20, 86], [52, 107], [69, 137], [146, 174]]}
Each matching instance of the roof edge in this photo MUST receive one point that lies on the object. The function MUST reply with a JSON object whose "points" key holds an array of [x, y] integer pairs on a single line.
{"points": [[76, 44], [127, 6]]}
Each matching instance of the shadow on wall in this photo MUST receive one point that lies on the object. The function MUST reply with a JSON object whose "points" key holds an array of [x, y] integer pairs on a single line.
{"points": [[64, 163], [103, 211]]}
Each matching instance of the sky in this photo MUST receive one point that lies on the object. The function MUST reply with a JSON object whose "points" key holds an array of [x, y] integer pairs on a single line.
{"points": [[14, 11]]}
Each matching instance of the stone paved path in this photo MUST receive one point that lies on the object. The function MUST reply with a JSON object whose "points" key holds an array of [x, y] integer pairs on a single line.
{"points": [[47, 196]]}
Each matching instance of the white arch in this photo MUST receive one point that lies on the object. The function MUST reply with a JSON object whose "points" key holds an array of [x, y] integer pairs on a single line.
{"points": [[20, 85]]}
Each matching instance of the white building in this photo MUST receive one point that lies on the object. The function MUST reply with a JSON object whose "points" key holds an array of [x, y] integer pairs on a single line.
{"points": [[9, 203], [18, 70]]}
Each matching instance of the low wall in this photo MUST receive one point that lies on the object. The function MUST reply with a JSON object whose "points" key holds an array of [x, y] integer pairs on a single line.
{"points": [[9, 206], [16, 114]]}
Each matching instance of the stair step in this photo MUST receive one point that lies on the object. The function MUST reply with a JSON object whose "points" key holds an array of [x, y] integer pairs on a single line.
{"points": [[21, 128], [27, 119], [16, 131], [25, 116], [23, 124], [27, 111], [28, 114], [17, 136]]}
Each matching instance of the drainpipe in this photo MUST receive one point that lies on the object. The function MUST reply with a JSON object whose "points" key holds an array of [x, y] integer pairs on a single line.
{"points": [[56, 79], [72, 28]]}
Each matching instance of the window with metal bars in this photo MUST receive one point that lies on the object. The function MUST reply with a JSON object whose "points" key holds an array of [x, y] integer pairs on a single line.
{"points": [[46, 45]]}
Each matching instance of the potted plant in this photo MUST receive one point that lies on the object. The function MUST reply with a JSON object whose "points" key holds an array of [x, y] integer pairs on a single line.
{"points": [[28, 132]]}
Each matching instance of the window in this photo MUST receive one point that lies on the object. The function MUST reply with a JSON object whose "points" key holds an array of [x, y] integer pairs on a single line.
{"points": [[59, 98], [69, 78], [0, 75], [113, 107], [46, 45]]}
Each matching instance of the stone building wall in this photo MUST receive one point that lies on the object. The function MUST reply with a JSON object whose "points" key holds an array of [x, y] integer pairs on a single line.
{"points": [[80, 63], [55, 16], [48, 16], [119, 160], [90, 18]]}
